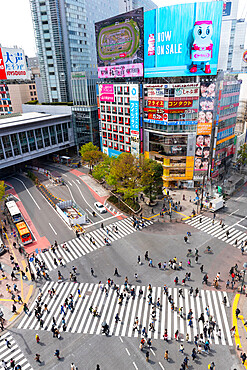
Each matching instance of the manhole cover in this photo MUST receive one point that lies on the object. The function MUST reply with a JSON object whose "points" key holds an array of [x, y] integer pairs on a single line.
{"points": [[88, 293]]}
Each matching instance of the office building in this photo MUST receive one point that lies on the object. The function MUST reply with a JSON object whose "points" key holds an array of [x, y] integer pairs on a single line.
{"points": [[5, 101], [21, 93], [233, 31]]}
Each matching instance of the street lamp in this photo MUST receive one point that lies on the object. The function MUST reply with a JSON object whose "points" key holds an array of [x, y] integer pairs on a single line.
{"points": [[245, 267]]}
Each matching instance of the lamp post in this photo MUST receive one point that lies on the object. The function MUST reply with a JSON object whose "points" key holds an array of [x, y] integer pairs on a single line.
{"points": [[244, 267]]}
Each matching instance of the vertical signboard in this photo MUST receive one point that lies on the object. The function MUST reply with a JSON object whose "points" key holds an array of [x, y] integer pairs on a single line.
{"points": [[13, 64], [134, 119], [204, 127], [106, 93]]}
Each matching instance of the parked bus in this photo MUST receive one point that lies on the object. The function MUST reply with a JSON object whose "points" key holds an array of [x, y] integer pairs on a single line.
{"points": [[14, 211], [24, 232]]}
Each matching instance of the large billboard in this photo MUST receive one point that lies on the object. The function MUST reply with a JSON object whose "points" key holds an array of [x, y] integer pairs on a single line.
{"points": [[182, 40], [204, 127], [119, 42], [134, 119], [13, 64]]}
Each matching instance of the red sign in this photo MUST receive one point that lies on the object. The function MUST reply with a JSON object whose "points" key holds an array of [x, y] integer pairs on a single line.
{"points": [[2, 67], [122, 55], [155, 103], [155, 110], [158, 116], [180, 104]]}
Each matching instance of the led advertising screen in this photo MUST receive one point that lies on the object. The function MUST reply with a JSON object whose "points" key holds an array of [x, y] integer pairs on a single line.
{"points": [[13, 64], [182, 40], [119, 42], [204, 127]]}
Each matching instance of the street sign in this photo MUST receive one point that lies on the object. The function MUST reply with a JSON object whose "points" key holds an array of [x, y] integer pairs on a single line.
{"points": [[31, 259]]}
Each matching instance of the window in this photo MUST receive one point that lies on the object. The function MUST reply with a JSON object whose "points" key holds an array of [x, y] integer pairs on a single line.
{"points": [[31, 140], [39, 139], [31, 93], [47, 40], [44, 22], [23, 140], [42, 3], [52, 73], [15, 144], [7, 146], [48, 49], [46, 136], [43, 13], [46, 31], [53, 135], [30, 87], [49, 57], [53, 89]]}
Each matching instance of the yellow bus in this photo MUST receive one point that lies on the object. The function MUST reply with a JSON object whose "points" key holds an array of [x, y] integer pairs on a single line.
{"points": [[24, 232]]}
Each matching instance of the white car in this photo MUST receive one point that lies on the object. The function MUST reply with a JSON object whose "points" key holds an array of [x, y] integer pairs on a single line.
{"points": [[99, 206]]}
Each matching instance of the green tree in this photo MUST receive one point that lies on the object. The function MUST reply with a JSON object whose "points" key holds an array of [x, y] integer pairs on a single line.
{"points": [[2, 190], [242, 155], [124, 176], [91, 154], [101, 170], [151, 176]]}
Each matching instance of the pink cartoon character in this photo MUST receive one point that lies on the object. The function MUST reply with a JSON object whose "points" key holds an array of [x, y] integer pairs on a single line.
{"points": [[202, 48]]}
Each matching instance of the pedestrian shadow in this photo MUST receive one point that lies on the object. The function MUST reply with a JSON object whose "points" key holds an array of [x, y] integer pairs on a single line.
{"points": [[42, 344], [41, 363], [138, 281]]}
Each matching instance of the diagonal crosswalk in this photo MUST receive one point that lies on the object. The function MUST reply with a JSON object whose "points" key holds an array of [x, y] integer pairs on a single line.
{"points": [[13, 352], [82, 321], [81, 246], [215, 229]]}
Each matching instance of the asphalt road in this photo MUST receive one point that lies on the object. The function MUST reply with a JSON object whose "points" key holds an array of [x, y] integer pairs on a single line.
{"points": [[43, 216]]}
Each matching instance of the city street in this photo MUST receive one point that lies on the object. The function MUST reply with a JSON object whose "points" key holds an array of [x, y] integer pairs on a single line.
{"points": [[163, 241]]}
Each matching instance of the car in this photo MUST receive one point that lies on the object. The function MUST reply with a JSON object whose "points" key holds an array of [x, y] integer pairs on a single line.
{"points": [[99, 206]]}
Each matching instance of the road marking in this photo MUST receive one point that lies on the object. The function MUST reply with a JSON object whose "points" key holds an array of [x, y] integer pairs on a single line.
{"points": [[121, 339], [64, 175], [127, 351], [242, 226], [162, 367], [78, 181], [87, 201], [235, 320], [152, 350], [233, 212], [105, 219], [71, 194], [27, 191], [53, 229], [25, 301], [135, 365], [69, 183]]}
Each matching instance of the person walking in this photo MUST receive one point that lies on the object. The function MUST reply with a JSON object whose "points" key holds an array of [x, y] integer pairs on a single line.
{"points": [[37, 338], [37, 358], [73, 367], [57, 354], [147, 356], [92, 271], [166, 356]]}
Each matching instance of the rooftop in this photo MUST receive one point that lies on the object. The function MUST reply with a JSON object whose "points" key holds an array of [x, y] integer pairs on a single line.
{"points": [[26, 118]]}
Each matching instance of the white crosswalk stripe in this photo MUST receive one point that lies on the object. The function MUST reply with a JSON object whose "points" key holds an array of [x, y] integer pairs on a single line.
{"points": [[79, 247], [14, 352], [215, 229], [82, 321]]}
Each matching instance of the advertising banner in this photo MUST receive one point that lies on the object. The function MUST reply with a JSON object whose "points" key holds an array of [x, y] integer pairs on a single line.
{"points": [[134, 119], [226, 8], [158, 116], [106, 93], [182, 40], [156, 103], [180, 104], [13, 64], [181, 92], [119, 42], [204, 127], [155, 92]]}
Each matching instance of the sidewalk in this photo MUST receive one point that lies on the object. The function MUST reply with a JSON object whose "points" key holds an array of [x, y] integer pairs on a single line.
{"points": [[25, 287], [241, 330]]}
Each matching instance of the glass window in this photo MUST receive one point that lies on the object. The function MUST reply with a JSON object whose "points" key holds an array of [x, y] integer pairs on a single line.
{"points": [[15, 144], [59, 133], [65, 132], [39, 140], [7, 146], [23, 140], [53, 135], [46, 136], [1, 151], [31, 140]]}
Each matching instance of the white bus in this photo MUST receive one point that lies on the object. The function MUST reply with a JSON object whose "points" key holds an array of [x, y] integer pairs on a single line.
{"points": [[14, 211]]}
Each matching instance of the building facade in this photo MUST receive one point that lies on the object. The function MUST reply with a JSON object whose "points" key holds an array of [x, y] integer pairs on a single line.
{"points": [[32, 135], [5, 101], [120, 118], [21, 93]]}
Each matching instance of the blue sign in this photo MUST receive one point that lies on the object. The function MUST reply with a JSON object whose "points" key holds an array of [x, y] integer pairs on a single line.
{"points": [[134, 115], [227, 8], [225, 133], [31, 259], [171, 123], [182, 40]]}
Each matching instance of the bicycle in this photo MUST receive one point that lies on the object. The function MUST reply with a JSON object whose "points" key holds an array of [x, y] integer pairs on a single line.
{"points": [[190, 253], [208, 251]]}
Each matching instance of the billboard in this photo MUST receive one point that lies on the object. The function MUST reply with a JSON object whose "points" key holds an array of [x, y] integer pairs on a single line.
{"points": [[119, 42], [134, 119], [182, 40], [106, 93], [13, 64], [226, 8], [204, 127]]}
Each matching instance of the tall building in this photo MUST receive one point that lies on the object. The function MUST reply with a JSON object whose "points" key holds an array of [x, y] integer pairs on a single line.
{"points": [[233, 31], [65, 39]]}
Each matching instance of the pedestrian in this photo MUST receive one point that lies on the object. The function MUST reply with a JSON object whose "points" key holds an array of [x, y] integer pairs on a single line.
{"points": [[92, 271], [37, 358], [237, 312], [97, 367], [181, 348], [73, 367], [166, 356], [14, 309], [57, 354], [7, 342], [147, 356], [201, 268], [211, 366]]}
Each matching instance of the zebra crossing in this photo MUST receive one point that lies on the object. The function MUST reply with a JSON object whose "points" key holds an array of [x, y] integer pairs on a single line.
{"points": [[78, 247], [82, 321], [13, 352], [217, 231]]}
